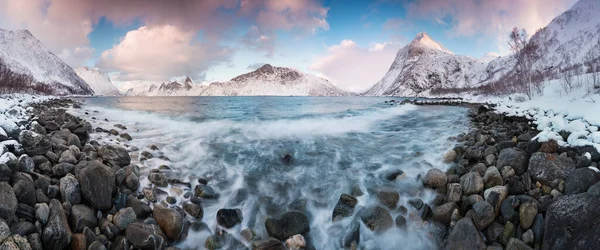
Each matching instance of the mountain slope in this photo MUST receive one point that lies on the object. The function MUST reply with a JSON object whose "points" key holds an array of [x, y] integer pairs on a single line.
{"points": [[27, 66], [425, 64], [98, 81], [266, 80]]}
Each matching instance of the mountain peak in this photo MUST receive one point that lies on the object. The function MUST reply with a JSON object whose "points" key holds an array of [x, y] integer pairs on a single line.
{"points": [[423, 39]]}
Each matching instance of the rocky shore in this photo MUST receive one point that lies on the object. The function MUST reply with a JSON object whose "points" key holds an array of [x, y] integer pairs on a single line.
{"points": [[507, 191]]}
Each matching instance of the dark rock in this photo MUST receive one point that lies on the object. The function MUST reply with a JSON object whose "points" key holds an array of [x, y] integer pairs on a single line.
{"points": [[465, 235], [443, 213], [538, 229], [454, 192], [583, 162], [515, 186], [24, 188], [400, 221], [67, 157], [516, 244], [425, 212], [289, 224], [395, 175], [589, 149], [4, 230], [42, 212], [527, 213], [435, 178], [158, 179], [126, 136], [145, 236], [25, 212], [483, 214], [344, 207], [96, 245], [388, 197], [546, 168], [507, 209], [205, 192], [109, 229], [62, 169], [493, 231], [572, 221], [228, 218], [472, 183], [169, 220], [268, 244], [8, 206], [376, 218], [78, 242], [35, 241], [124, 217], [114, 155], [5, 173], [56, 233], [492, 178], [22, 228], [70, 190], [504, 145], [508, 233], [82, 217], [580, 180], [141, 209], [515, 158], [194, 210], [26, 164], [34, 143], [97, 184]]}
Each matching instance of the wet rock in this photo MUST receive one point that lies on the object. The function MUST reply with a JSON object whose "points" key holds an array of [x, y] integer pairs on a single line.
{"points": [[449, 156], [205, 192], [70, 190], [73, 140], [4, 230], [515, 158], [507, 209], [400, 221], [388, 197], [483, 214], [114, 155], [97, 184], [492, 178], [228, 218], [287, 160], [465, 235], [571, 221], [395, 175], [62, 169], [344, 207], [150, 194], [82, 217], [126, 136], [67, 157], [194, 210], [268, 244], [580, 180], [443, 213], [22, 228], [24, 188], [5, 173], [141, 209], [435, 178], [145, 236], [454, 192], [546, 168], [296, 242], [377, 218], [56, 233], [289, 224], [34, 143], [169, 220], [471, 183], [8, 206], [158, 179]]}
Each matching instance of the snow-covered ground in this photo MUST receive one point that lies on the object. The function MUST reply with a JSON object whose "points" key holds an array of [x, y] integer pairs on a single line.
{"points": [[559, 108]]}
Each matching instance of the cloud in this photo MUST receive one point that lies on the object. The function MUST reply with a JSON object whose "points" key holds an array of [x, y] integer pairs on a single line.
{"points": [[393, 23], [257, 40], [355, 68], [159, 52], [304, 15], [76, 57], [255, 66], [492, 18]]}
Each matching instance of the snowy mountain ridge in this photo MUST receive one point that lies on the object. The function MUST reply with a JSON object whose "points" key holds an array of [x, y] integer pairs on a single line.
{"points": [[27, 66], [98, 81], [265, 81]]}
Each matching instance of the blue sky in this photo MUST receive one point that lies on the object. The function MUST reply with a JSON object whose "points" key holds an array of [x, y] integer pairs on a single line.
{"points": [[155, 40]]}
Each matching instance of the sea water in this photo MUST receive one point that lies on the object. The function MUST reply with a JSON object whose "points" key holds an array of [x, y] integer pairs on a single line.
{"points": [[333, 145]]}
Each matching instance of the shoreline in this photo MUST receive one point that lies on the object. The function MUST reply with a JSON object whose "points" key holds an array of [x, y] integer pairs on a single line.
{"points": [[75, 192]]}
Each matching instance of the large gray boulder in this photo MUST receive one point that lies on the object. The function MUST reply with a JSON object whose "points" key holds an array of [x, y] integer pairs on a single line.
{"points": [[515, 158], [289, 224], [56, 234], [545, 168], [97, 183], [580, 180], [146, 236], [114, 155], [9, 203], [465, 235], [34, 143]]}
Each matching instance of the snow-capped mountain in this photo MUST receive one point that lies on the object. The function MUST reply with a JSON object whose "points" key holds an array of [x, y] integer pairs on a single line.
{"points": [[98, 81], [425, 64], [266, 80], [27, 66]]}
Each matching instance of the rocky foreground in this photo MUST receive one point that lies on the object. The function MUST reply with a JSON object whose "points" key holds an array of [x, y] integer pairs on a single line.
{"points": [[507, 191]]}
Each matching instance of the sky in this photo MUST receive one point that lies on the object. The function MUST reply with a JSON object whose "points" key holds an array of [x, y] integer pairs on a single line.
{"points": [[350, 42]]}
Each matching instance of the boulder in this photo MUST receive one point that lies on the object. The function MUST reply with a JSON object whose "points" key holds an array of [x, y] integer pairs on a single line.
{"points": [[516, 244], [8, 206], [205, 192], [388, 197], [471, 183], [194, 210], [67, 157], [26, 164], [289, 224], [97, 184], [580, 180], [344, 207], [483, 214], [56, 233], [4, 230], [70, 190], [228, 218], [454, 192], [124, 217], [545, 168], [114, 155], [24, 188], [435, 178], [169, 220], [443, 213], [572, 221], [145, 236], [42, 211], [527, 213], [34, 143], [515, 158], [82, 217], [376, 218], [492, 177], [465, 235]]}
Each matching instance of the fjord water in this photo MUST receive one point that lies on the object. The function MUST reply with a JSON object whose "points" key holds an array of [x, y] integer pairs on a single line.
{"points": [[336, 145]]}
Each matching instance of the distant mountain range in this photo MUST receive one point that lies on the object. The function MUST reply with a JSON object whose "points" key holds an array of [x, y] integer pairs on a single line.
{"points": [[570, 44], [265, 81]]}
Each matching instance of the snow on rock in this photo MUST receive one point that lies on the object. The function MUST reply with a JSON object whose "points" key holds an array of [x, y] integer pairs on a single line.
{"points": [[98, 81], [12, 111], [265, 81], [34, 69]]}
